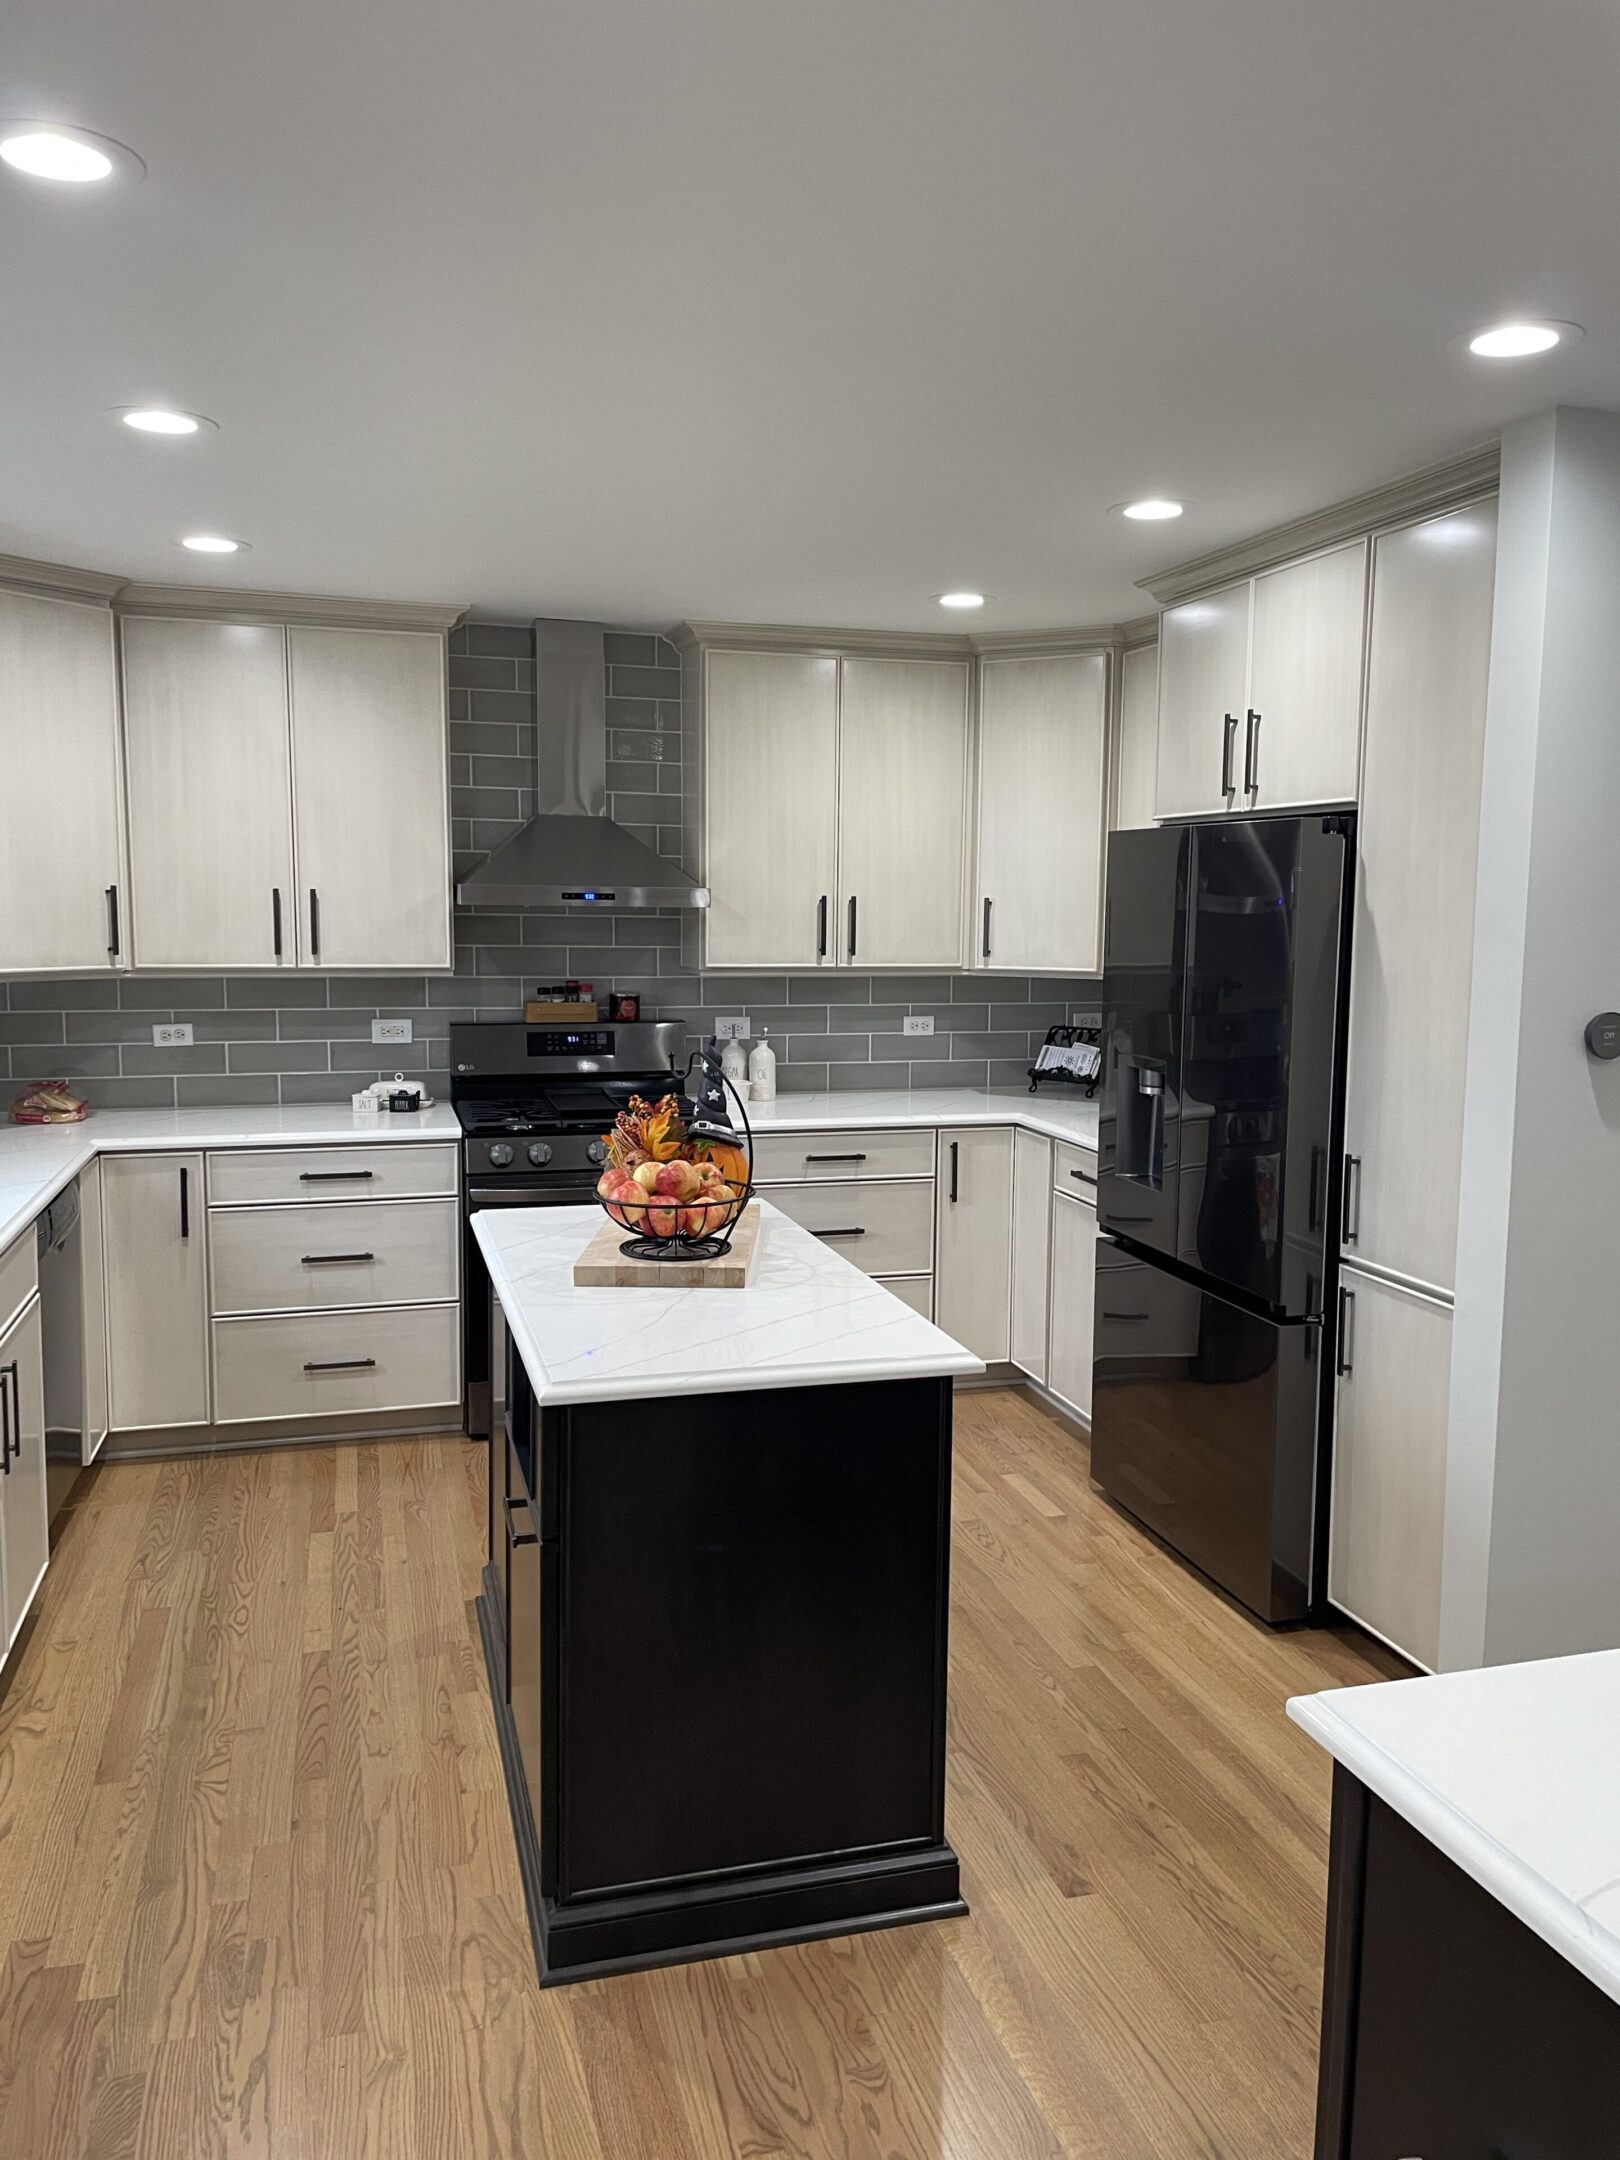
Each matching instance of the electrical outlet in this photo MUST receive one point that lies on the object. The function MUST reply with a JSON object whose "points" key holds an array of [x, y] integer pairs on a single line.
{"points": [[734, 1029], [917, 1024], [172, 1034], [390, 1031]]}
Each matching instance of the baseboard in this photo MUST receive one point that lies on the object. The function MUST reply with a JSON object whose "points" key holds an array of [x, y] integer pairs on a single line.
{"points": [[145, 1442], [1064, 1413]]}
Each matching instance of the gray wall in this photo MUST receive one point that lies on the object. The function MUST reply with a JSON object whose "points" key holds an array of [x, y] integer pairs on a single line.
{"points": [[306, 1038]]}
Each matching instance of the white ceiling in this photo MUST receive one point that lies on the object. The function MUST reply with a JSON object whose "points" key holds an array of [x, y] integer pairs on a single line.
{"points": [[739, 308]]}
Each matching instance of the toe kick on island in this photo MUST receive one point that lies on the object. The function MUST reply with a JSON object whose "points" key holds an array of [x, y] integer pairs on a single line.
{"points": [[716, 1633]]}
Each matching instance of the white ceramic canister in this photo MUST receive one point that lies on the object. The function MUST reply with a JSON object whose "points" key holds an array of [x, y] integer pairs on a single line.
{"points": [[762, 1069]]}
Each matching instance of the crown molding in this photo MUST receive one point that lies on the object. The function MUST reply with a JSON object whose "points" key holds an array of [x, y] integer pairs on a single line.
{"points": [[1046, 644], [1140, 630], [904, 644], [1420, 494], [57, 581], [215, 603]]}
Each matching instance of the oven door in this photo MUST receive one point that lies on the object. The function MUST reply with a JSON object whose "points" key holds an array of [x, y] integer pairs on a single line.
{"points": [[483, 1361]]}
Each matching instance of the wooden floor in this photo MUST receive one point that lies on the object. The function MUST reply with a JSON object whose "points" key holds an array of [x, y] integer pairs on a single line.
{"points": [[257, 1889]]}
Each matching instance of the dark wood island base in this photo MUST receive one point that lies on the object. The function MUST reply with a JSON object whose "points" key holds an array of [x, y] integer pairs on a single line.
{"points": [[715, 1627]]}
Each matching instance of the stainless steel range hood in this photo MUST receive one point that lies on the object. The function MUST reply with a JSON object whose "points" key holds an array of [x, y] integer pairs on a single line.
{"points": [[571, 854]]}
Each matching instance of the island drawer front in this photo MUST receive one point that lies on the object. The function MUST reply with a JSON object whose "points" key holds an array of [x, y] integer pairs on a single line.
{"points": [[917, 1291], [292, 1259], [403, 1357], [19, 1276], [1074, 1170], [885, 1229], [385, 1171], [808, 1158]]}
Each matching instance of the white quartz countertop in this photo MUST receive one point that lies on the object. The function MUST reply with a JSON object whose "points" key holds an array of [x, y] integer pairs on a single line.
{"points": [[37, 1161], [808, 1318], [1058, 1117], [1513, 1772]]}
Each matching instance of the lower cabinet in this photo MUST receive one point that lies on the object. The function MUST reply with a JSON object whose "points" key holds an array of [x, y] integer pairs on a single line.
{"points": [[1073, 1283], [973, 1247], [335, 1364], [24, 1508], [157, 1290], [1389, 1463], [1031, 1251]]}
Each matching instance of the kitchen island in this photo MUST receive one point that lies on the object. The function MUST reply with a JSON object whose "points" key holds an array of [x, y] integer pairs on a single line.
{"points": [[715, 1609]]}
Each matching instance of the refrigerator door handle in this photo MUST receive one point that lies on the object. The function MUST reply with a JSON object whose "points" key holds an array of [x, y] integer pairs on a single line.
{"points": [[1350, 1226], [1347, 1332]]}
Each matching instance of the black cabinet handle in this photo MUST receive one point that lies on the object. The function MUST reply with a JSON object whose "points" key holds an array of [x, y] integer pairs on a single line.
{"points": [[275, 919], [821, 928], [1251, 754], [185, 1201], [332, 1259], [340, 1364], [835, 1158], [1107, 1315], [112, 922], [985, 940], [1313, 1208], [852, 926], [956, 1164], [1084, 1177], [837, 1233], [1350, 1224], [515, 1536], [314, 924], [1129, 1218], [1229, 741], [328, 1177], [1347, 1332], [8, 1374]]}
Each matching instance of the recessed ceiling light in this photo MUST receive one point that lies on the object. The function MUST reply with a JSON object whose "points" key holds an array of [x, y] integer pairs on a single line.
{"points": [[163, 420], [45, 150], [1152, 507], [212, 544], [961, 599], [1521, 340]]}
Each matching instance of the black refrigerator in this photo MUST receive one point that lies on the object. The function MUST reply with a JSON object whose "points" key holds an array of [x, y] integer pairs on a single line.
{"points": [[1226, 964]]}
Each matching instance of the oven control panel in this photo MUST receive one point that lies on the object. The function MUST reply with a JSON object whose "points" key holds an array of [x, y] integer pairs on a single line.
{"points": [[570, 1042]]}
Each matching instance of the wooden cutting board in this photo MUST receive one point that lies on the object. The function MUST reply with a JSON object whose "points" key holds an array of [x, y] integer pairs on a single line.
{"points": [[601, 1266]]}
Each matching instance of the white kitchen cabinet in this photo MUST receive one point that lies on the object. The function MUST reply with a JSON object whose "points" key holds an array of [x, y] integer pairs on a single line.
{"points": [[61, 856], [1138, 752], [1203, 678], [1417, 842], [154, 1241], [765, 819], [370, 797], [1072, 1321], [902, 811], [24, 1504], [93, 1305], [973, 1245], [1042, 812], [1031, 1251], [1302, 744], [209, 788], [1387, 1528]]}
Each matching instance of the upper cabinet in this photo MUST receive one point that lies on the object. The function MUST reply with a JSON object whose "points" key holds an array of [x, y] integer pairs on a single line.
{"points": [[1043, 731], [1260, 690], [1137, 756], [61, 860], [902, 811]]}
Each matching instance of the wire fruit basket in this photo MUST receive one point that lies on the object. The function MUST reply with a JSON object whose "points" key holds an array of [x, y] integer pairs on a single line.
{"points": [[692, 1212]]}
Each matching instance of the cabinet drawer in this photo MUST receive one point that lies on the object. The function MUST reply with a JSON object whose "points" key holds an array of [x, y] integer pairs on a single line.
{"points": [[288, 1259], [19, 1276], [917, 1291], [402, 1358], [1074, 1170], [812, 1156], [890, 1227], [386, 1171]]}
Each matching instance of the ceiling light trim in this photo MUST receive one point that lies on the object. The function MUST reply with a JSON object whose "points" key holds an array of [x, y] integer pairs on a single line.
{"points": [[126, 163], [200, 422]]}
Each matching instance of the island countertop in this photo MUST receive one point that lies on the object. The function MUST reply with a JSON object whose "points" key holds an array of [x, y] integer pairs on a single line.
{"points": [[808, 1318]]}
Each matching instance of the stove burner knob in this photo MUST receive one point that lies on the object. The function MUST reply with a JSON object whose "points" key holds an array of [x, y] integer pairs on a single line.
{"points": [[596, 1152], [539, 1153], [499, 1155]]}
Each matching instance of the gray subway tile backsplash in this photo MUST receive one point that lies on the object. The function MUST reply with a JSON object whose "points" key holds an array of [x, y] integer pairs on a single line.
{"points": [[297, 1038]]}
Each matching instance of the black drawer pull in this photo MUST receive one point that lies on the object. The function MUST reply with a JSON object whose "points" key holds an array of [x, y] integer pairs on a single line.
{"points": [[332, 1259], [835, 1158], [1085, 1178], [838, 1233], [1107, 1315], [326, 1177], [340, 1364], [1130, 1218]]}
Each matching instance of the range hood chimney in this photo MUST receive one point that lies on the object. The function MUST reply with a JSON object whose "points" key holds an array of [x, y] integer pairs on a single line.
{"points": [[571, 854]]}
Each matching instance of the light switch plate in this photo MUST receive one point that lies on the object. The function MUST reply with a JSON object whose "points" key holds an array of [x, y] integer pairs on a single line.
{"points": [[917, 1024], [171, 1034], [734, 1029], [390, 1031]]}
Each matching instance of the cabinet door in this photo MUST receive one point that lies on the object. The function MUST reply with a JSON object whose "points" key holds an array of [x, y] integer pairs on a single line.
{"points": [[1387, 1530], [157, 1306], [24, 1507], [60, 867], [1303, 743], [210, 804], [93, 1304], [902, 812], [1203, 674], [1418, 836], [973, 1250], [1031, 1245], [1073, 1319], [770, 808], [370, 795], [1138, 736], [1042, 813]]}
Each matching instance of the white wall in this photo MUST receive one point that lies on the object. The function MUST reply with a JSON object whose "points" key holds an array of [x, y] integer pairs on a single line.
{"points": [[1533, 1502]]}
